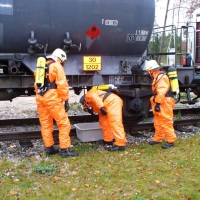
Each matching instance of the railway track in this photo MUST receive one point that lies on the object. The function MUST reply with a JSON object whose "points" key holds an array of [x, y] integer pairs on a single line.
{"points": [[26, 129]]}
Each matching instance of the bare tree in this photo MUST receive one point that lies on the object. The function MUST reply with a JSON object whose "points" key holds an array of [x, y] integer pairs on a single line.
{"points": [[190, 5], [193, 5]]}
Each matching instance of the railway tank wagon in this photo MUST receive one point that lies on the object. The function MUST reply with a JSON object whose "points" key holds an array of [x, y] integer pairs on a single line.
{"points": [[105, 42]]}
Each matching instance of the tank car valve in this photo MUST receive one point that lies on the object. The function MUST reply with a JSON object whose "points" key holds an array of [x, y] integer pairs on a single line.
{"points": [[68, 43], [33, 44], [67, 40]]}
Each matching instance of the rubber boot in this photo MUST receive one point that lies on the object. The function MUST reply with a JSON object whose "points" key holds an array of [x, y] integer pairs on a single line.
{"points": [[107, 143], [154, 142], [68, 153], [51, 150], [167, 145], [115, 148]]}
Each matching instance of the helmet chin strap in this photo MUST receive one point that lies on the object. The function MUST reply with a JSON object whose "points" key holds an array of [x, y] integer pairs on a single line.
{"points": [[150, 72], [59, 60]]}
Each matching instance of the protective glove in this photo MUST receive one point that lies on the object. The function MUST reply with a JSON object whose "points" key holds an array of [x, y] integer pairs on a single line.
{"points": [[157, 107], [103, 111], [66, 106], [89, 110], [85, 109]]}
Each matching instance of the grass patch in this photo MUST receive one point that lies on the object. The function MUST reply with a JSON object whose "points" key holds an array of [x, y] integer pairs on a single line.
{"points": [[141, 172], [45, 168], [179, 116]]}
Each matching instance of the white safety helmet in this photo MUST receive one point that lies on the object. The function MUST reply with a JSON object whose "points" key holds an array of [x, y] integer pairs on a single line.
{"points": [[58, 53], [151, 65]]}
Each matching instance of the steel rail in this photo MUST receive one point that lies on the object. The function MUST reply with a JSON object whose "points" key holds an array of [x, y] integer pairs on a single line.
{"points": [[25, 136], [35, 120], [86, 118], [181, 111]]}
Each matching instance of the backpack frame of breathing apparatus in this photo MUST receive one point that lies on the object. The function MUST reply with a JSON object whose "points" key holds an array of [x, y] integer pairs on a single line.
{"points": [[42, 76]]}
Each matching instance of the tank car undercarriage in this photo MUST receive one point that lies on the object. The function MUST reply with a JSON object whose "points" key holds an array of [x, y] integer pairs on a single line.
{"points": [[17, 79]]}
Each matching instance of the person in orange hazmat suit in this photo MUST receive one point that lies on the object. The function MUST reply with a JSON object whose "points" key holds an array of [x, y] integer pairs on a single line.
{"points": [[108, 106], [162, 104], [50, 105]]}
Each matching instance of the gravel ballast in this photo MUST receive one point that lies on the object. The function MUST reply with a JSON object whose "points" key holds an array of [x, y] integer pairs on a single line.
{"points": [[24, 107]]}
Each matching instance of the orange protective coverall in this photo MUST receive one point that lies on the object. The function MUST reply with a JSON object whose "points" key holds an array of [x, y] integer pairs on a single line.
{"points": [[111, 123], [163, 120], [50, 106]]}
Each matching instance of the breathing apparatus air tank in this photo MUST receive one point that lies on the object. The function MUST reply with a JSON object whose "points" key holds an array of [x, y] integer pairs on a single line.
{"points": [[40, 72], [173, 78], [107, 87]]}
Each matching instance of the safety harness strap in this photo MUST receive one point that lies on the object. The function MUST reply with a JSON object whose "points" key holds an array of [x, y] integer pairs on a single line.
{"points": [[157, 80], [169, 93], [53, 84], [105, 95]]}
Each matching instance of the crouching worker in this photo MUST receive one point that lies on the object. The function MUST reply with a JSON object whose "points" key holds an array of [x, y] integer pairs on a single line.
{"points": [[52, 102], [109, 109], [162, 104]]}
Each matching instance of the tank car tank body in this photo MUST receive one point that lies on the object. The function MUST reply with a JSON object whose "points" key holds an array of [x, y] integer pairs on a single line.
{"points": [[105, 42]]}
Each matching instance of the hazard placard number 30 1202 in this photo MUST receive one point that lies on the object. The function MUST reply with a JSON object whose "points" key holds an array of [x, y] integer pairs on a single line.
{"points": [[92, 63]]}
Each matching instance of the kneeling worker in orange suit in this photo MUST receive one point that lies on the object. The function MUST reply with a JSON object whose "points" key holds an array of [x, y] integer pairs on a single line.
{"points": [[162, 104], [50, 105], [109, 108]]}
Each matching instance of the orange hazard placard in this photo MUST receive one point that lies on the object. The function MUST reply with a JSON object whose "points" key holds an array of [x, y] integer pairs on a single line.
{"points": [[91, 63], [93, 32]]}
